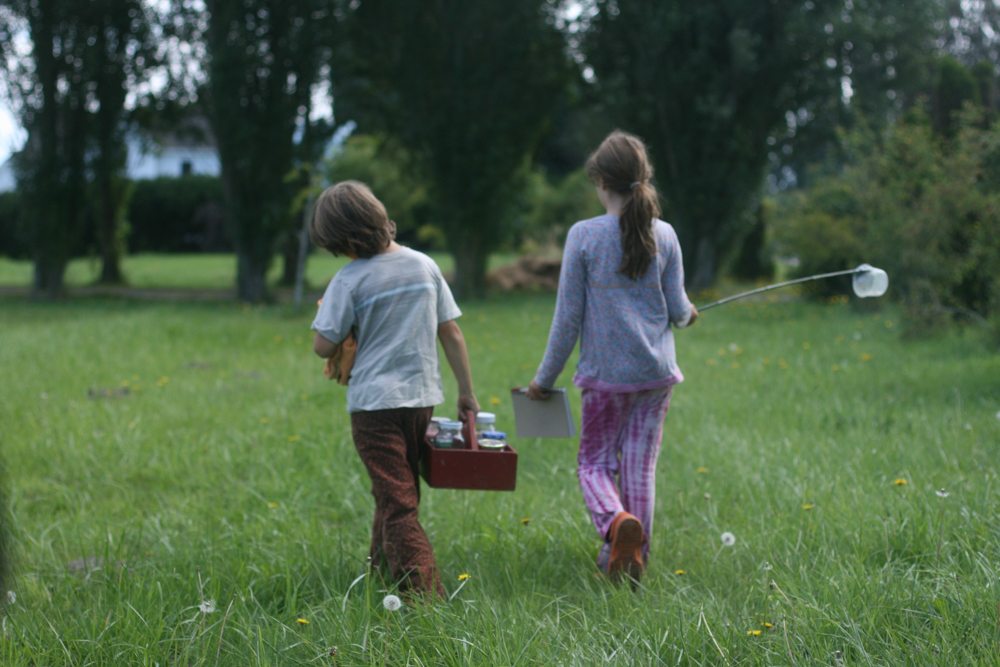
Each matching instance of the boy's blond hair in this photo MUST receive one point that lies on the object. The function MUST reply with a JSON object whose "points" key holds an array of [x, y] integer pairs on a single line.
{"points": [[350, 220]]}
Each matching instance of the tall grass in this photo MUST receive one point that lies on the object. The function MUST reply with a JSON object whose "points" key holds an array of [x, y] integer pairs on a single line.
{"points": [[162, 456]]}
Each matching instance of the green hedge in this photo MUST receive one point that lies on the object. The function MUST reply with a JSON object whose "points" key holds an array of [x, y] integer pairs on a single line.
{"points": [[13, 240], [184, 214]]}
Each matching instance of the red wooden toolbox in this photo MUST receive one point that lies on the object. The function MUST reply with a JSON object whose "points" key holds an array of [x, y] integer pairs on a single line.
{"points": [[470, 467]]}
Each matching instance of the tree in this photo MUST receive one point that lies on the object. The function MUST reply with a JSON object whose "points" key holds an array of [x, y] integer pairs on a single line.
{"points": [[123, 51], [48, 86], [263, 58], [468, 89], [708, 85]]}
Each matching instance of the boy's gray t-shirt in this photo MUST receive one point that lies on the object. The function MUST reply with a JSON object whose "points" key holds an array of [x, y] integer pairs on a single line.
{"points": [[394, 302]]}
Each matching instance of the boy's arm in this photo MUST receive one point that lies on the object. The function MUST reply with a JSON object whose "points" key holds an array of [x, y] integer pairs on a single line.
{"points": [[323, 347], [458, 358]]}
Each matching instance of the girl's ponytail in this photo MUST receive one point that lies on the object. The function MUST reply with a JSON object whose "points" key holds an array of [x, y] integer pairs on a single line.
{"points": [[620, 164]]}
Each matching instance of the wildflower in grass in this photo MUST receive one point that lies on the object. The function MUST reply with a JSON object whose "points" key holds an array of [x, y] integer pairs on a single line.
{"points": [[806, 345], [273, 505], [392, 602], [11, 597], [265, 420], [866, 357], [899, 481], [782, 364], [294, 438], [279, 338], [711, 362], [525, 520], [494, 401], [734, 365], [465, 576], [767, 626], [680, 573], [807, 506], [735, 349], [302, 621], [766, 566], [941, 493], [835, 368], [889, 324], [163, 381], [207, 606], [753, 633], [701, 470], [728, 539]]}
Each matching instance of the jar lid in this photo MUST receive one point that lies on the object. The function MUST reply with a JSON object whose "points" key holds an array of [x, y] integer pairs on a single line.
{"points": [[451, 425], [486, 417], [494, 435]]}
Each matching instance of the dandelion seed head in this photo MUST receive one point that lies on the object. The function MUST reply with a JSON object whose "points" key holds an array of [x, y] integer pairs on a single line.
{"points": [[942, 493], [392, 602], [11, 597], [207, 606], [728, 539]]}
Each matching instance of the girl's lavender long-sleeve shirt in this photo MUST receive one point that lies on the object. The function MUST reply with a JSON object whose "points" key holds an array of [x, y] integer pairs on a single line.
{"points": [[624, 326]]}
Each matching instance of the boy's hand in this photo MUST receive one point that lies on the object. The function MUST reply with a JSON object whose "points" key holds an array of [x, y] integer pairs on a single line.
{"points": [[537, 393], [467, 402], [694, 315]]}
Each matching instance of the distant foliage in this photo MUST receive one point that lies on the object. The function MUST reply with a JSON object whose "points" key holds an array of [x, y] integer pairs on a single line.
{"points": [[178, 215], [923, 207], [13, 236]]}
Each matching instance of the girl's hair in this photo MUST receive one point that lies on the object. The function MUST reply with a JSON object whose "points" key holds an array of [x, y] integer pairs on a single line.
{"points": [[350, 220], [620, 164]]}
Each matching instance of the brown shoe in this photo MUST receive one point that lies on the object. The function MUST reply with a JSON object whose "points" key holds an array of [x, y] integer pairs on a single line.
{"points": [[626, 548]]}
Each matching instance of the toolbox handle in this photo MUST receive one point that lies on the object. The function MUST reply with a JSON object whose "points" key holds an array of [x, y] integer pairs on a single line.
{"points": [[469, 430]]}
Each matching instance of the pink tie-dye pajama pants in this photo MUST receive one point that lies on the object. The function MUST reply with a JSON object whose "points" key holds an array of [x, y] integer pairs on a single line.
{"points": [[620, 438]]}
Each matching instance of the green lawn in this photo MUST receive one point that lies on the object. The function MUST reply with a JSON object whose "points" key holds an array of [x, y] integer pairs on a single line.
{"points": [[164, 455], [204, 271]]}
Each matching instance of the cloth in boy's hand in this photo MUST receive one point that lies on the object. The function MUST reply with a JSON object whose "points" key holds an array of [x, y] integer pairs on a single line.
{"points": [[338, 366]]}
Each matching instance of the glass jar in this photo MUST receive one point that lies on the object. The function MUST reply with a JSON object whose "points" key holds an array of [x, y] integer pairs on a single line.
{"points": [[449, 434], [493, 441], [485, 421]]}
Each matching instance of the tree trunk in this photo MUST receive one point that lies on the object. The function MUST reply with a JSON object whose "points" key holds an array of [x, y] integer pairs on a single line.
{"points": [[705, 264], [48, 281], [109, 235], [290, 260], [470, 269], [251, 277]]}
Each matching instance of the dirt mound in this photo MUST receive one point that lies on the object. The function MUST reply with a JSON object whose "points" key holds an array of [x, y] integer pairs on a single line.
{"points": [[528, 273]]}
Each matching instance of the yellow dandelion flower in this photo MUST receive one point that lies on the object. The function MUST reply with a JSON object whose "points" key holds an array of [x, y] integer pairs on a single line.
{"points": [[273, 505], [294, 438], [525, 521], [465, 576], [835, 368], [680, 572], [753, 633], [711, 362], [899, 481], [807, 506], [163, 381], [278, 338], [866, 357], [767, 626], [265, 420], [302, 621], [494, 401], [782, 364], [701, 470], [735, 364], [806, 345]]}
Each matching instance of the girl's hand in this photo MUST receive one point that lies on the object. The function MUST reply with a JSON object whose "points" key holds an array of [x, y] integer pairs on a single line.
{"points": [[537, 393]]}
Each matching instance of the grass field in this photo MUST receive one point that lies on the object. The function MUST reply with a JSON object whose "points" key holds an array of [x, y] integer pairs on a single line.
{"points": [[184, 491]]}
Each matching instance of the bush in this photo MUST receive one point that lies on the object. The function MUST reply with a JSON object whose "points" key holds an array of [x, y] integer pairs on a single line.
{"points": [[184, 214], [923, 207]]}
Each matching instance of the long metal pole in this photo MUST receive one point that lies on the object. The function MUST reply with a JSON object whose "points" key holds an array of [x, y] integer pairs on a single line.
{"points": [[759, 290]]}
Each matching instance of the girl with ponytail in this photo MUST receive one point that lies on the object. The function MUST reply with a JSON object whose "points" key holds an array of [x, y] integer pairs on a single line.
{"points": [[621, 293]]}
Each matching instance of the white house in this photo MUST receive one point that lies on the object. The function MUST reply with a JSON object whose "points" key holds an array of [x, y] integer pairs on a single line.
{"points": [[188, 149]]}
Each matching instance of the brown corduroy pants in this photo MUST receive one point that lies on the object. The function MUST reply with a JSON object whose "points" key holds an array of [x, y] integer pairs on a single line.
{"points": [[389, 443]]}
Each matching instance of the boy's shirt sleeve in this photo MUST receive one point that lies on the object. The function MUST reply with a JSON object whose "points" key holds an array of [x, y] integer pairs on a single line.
{"points": [[447, 309], [335, 316]]}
